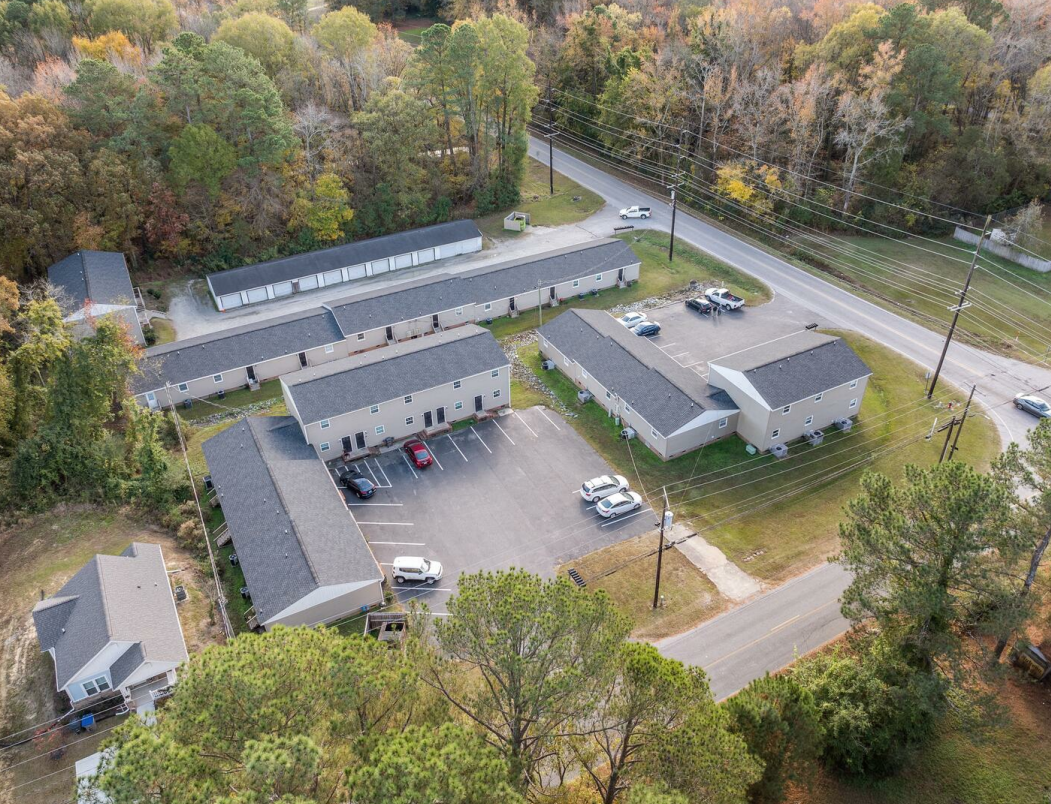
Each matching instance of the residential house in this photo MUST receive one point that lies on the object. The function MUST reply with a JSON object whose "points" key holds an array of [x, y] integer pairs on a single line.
{"points": [[92, 284], [114, 627]]}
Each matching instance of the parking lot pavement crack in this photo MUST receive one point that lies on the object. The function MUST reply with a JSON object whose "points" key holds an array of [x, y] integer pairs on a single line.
{"points": [[731, 581]]}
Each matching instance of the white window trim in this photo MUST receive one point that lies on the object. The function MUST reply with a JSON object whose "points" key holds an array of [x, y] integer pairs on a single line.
{"points": [[786, 410], [809, 421], [627, 408], [576, 283], [184, 388], [374, 410], [584, 373], [330, 348], [217, 378], [495, 373], [598, 277], [496, 394], [609, 395], [488, 306], [854, 384], [407, 399], [325, 424], [458, 406], [723, 423], [325, 446], [853, 403], [361, 336], [457, 383], [819, 397], [654, 433], [459, 311], [776, 434], [380, 429], [408, 421]]}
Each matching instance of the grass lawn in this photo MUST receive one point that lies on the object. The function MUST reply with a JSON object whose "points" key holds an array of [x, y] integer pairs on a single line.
{"points": [[411, 29], [544, 209], [656, 277], [689, 597], [1001, 318], [743, 508], [267, 399], [164, 330]]}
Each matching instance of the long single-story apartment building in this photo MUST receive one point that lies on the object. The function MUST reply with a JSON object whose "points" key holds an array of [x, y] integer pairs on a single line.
{"points": [[251, 284], [672, 409], [418, 387], [93, 284], [791, 386], [305, 560], [770, 393], [229, 359]]}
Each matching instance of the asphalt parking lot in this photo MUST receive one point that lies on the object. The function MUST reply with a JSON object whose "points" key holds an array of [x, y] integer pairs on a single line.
{"points": [[501, 493], [692, 339]]}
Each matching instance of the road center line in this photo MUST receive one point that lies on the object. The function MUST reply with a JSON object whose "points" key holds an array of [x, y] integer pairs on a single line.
{"points": [[550, 420], [447, 435], [501, 429], [480, 439], [755, 642], [530, 429]]}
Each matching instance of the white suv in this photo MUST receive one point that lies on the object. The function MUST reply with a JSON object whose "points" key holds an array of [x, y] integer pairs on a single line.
{"points": [[414, 568]]}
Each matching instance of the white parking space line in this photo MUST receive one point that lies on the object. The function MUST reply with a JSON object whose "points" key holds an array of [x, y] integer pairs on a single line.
{"points": [[501, 429], [407, 544], [667, 345], [619, 519], [410, 466], [396, 524], [457, 448], [549, 419], [365, 505], [694, 363], [480, 439], [389, 484], [681, 354], [435, 456], [527, 427], [375, 479]]}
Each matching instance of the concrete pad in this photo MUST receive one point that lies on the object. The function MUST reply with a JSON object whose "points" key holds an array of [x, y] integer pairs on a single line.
{"points": [[729, 579]]}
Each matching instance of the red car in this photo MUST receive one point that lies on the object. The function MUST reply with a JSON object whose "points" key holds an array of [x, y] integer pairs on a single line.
{"points": [[418, 454]]}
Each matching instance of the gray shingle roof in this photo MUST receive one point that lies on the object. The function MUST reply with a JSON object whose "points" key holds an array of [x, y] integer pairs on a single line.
{"points": [[359, 381], [797, 367], [101, 276], [664, 393], [329, 259], [226, 350], [126, 598], [489, 283], [289, 524]]}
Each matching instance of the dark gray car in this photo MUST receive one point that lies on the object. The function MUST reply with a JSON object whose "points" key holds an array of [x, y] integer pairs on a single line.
{"points": [[1033, 404]]}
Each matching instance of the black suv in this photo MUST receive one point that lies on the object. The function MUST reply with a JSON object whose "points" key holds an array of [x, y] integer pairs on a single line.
{"points": [[356, 482], [700, 305]]}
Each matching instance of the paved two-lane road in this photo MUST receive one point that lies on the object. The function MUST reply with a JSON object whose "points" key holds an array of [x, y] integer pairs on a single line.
{"points": [[769, 632]]}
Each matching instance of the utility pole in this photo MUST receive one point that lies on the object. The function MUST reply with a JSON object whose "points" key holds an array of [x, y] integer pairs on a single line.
{"points": [[665, 520], [948, 435], [963, 304], [963, 418], [539, 303], [550, 141], [674, 203]]}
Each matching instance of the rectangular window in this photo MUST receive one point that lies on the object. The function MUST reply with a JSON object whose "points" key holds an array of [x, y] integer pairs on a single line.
{"points": [[819, 397], [374, 409], [325, 446], [90, 688], [217, 378], [496, 373], [102, 683], [458, 406], [723, 423], [598, 277], [584, 373], [543, 343], [809, 421], [361, 336], [565, 360], [785, 410], [853, 403], [488, 307], [609, 395], [380, 430], [456, 383], [854, 384], [775, 434], [325, 424], [496, 393], [408, 399], [576, 283], [459, 311], [408, 421], [627, 408], [654, 433], [330, 348], [183, 387]]}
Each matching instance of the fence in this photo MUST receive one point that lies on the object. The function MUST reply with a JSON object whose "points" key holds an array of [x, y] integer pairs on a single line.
{"points": [[1005, 251]]}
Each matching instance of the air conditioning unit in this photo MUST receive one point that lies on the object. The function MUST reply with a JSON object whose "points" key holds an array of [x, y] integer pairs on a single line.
{"points": [[843, 425], [779, 451], [628, 433], [234, 560], [814, 437], [208, 485], [547, 365], [584, 396]]}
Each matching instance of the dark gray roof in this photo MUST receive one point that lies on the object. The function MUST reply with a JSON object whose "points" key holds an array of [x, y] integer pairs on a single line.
{"points": [[794, 368], [99, 276], [289, 524], [664, 393], [226, 350], [356, 382], [126, 598], [329, 259], [131, 659], [489, 283]]}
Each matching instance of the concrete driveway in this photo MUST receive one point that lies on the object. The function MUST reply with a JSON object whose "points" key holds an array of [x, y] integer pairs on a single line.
{"points": [[501, 494]]}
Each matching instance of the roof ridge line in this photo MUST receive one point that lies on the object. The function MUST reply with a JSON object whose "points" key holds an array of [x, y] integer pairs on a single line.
{"points": [[102, 589]]}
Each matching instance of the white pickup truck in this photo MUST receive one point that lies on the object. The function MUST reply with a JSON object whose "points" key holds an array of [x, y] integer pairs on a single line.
{"points": [[723, 298], [635, 212]]}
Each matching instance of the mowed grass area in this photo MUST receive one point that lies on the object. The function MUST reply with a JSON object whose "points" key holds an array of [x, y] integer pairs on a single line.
{"points": [[1007, 764], [411, 29], [689, 597], [544, 209], [1010, 310], [774, 518], [163, 330], [267, 399], [657, 277]]}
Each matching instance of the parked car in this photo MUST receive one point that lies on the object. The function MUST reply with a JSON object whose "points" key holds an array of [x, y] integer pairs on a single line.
{"points": [[415, 568], [635, 212], [1033, 404], [618, 504], [632, 319], [700, 304], [356, 482], [724, 298], [599, 488], [647, 328], [418, 453]]}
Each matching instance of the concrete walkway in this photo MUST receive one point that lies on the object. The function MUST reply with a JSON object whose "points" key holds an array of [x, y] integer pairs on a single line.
{"points": [[731, 581]]}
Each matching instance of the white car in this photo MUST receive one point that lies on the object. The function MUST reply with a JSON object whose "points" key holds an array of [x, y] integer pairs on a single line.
{"points": [[598, 488], [618, 504], [632, 319], [635, 212], [414, 568]]}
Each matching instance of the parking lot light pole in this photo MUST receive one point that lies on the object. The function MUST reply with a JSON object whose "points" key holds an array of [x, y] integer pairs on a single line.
{"points": [[665, 520]]}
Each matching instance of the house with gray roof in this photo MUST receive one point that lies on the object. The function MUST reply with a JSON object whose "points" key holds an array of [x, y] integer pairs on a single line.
{"points": [[791, 385], [305, 560], [298, 273], [419, 387], [671, 409], [91, 284], [114, 627]]}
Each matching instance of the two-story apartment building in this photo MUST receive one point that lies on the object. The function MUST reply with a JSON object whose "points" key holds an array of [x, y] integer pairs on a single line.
{"points": [[92, 284], [416, 387]]}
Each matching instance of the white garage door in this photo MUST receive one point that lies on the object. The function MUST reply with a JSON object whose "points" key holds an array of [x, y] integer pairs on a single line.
{"points": [[308, 282], [231, 301], [427, 255], [403, 261], [356, 272], [257, 295], [333, 277], [380, 267], [283, 289]]}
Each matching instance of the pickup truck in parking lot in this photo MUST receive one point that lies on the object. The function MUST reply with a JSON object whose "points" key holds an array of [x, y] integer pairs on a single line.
{"points": [[724, 299], [635, 212]]}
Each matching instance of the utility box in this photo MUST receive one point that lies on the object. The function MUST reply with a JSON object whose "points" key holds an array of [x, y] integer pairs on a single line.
{"points": [[547, 365], [814, 437], [843, 425], [779, 451], [584, 396]]}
